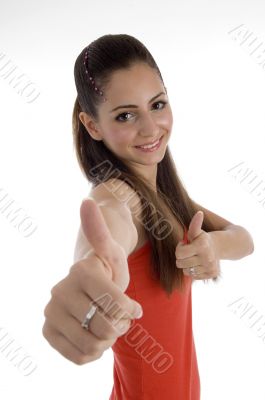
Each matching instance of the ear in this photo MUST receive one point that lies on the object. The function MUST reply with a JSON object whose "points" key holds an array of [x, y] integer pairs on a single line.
{"points": [[90, 125]]}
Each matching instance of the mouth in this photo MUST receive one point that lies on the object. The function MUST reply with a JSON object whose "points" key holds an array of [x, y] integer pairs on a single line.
{"points": [[150, 143], [150, 147]]}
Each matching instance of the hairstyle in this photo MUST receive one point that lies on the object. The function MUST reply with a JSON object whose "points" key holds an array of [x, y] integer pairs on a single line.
{"points": [[106, 55]]}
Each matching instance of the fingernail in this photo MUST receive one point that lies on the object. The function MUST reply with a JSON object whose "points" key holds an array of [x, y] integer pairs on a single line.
{"points": [[139, 312]]}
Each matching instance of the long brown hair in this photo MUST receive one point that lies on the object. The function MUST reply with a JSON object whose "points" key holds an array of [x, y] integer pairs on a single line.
{"points": [[107, 54]]}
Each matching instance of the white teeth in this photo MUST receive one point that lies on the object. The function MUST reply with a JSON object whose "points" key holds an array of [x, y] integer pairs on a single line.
{"points": [[149, 146]]}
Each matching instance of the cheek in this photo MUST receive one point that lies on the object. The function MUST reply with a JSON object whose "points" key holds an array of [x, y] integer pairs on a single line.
{"points": [[167, 120], [120, 138]]}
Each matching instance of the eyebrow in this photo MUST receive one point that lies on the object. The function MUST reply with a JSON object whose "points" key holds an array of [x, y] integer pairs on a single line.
{"points": [[133, 105]]}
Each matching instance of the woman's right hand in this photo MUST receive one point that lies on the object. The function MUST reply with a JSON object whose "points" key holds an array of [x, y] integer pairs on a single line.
{"points": [[89, 280]]}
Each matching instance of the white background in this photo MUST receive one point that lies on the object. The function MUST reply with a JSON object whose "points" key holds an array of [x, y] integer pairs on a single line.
{"points": [[216, 89]]}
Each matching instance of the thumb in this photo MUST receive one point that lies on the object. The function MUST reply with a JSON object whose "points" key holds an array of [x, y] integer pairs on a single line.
{"points": [[99, 236], [195, 225], [95, 227]]}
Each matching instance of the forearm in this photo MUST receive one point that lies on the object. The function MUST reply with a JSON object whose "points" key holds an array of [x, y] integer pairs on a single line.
{"points": [[233, 242]]}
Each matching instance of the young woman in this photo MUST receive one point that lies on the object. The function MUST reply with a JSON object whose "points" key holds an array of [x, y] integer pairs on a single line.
{"points": [[142, 240]]}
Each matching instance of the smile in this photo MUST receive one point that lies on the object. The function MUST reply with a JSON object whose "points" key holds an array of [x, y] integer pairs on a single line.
{"points": [[150, 147]]}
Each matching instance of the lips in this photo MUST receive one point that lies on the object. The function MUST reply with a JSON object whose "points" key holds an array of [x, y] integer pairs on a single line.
{"points": [[146, 144]]}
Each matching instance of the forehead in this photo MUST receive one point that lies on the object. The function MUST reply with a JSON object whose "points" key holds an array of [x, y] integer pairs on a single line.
{"points": [[140, 79]]}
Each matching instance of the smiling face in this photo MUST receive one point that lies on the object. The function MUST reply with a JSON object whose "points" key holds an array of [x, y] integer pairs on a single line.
{"points": [[137, 112]]}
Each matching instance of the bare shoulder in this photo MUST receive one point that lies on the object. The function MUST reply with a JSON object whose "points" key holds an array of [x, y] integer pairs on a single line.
{"points": [[117, 190], [119, 195], [117, 215]]}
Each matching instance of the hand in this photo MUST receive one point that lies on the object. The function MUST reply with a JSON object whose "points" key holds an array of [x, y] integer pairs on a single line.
{"points": [[89, 281], [200, 253]]}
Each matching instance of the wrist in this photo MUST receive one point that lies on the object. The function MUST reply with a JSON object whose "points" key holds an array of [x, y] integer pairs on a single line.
{"points": [[217, 243]]}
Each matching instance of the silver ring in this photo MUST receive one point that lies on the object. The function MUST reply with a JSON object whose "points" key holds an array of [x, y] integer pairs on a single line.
{"points": [[91, 312], [192, 271]]}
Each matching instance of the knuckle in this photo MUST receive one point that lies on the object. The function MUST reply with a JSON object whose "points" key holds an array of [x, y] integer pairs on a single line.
{"points": [[96, 353], [82, 359], [81, 271], [56, 290], [78, 267], [47, 310], [59, 292], [45, 331], [87, 348], [73, 268]]}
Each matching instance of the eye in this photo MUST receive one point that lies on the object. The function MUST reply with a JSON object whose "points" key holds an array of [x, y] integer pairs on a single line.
{"points": [[162, 102], [126, 113], [121, 115]]}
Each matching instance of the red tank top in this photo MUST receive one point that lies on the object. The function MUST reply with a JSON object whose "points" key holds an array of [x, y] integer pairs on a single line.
{"points": [[156, 358]]}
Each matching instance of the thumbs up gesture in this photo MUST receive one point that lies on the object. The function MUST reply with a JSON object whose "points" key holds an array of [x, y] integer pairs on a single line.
{"points": [[98, 279], [200, 252]]}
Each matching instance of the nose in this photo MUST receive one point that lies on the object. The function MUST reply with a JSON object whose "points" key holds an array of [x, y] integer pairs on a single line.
{"points": [[148, 126]]}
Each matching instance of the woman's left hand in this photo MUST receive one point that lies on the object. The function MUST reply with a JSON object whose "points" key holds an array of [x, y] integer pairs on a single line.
{"points": [[200, 252]]}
